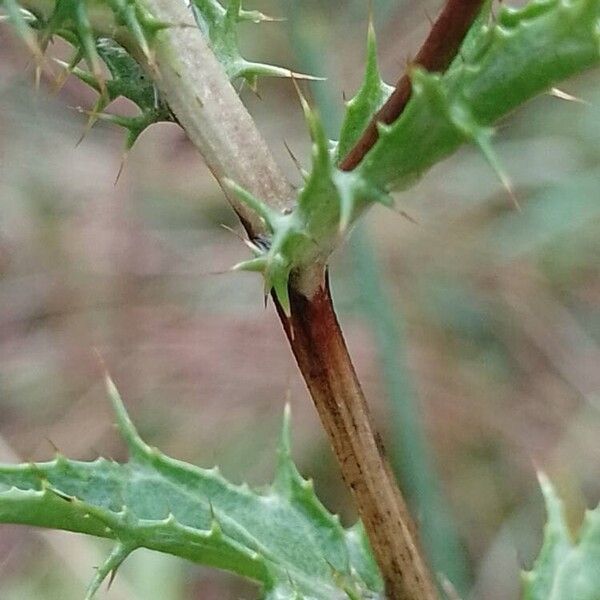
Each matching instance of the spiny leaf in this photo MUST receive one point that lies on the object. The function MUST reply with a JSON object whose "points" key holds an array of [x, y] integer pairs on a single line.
{"points": [[220, 26], [69, 19], [566, 569], [128, 80], [327, 204], [526, 51], [282, 537], [500, 65], [73, 21], [369, 99]]}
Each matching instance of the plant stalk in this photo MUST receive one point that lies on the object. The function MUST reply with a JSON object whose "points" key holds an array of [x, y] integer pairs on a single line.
{"points": [[226, 136], [200, 94], [205, 103], [318, 345]]}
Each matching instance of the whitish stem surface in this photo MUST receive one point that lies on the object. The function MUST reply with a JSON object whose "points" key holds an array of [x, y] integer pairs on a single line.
{"points": [[212, 114]]}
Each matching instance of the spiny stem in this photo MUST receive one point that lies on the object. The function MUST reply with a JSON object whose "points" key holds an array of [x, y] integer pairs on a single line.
{"points": [[436, 54], [318, 345], [199, 93], [201, 97]]}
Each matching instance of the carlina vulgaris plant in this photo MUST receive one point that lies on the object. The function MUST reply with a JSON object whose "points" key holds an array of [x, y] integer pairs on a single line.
{"points": [[178, 63]]}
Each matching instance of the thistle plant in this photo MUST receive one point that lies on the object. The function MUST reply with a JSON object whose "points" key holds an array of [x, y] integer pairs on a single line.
{"points": [[179, 63]]}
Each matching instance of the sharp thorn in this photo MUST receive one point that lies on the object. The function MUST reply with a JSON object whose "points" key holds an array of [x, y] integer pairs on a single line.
{"points": [[54, 446], [232, 230], [38, 77], [241, 86], [507, 183], [295, 160], [305, 76], [60, 81], [253, 85], [404, 214], [121, 167], [111, 578], [562, 95], [270, 19]]}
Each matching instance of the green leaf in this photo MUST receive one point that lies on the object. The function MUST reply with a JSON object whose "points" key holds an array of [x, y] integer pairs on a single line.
{"points": [[128, 80], [502, 64], [220, 26], [328, 203], [75, 20], [282, 537], [71, 20], [96, 30], [369, 99], [566, 569]]}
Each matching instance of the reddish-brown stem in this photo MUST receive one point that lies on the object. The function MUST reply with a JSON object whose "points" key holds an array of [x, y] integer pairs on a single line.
{"points": [[319, 348], [320, 351], [436, 54]]}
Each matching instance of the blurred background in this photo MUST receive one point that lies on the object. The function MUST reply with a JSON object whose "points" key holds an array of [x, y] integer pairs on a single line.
{"points": [[475, 328]]}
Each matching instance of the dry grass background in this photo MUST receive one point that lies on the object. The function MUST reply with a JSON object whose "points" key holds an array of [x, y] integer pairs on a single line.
{"points": [[501, 311]]}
